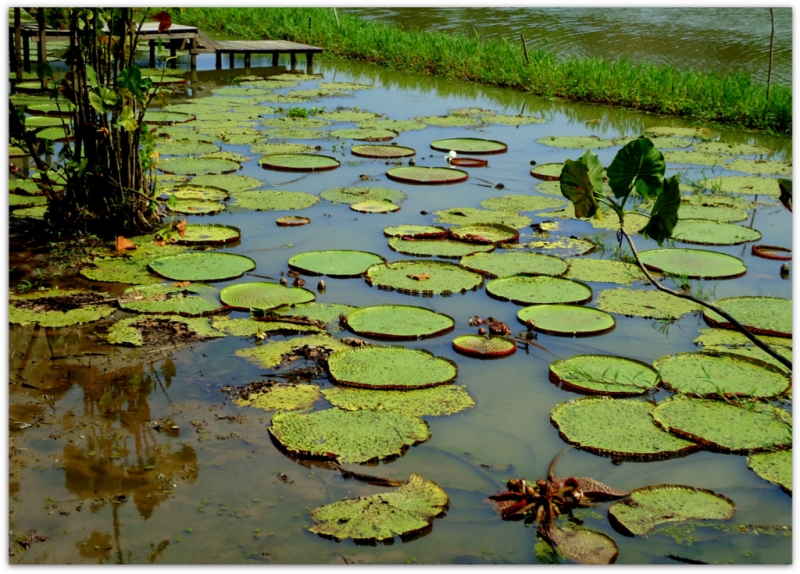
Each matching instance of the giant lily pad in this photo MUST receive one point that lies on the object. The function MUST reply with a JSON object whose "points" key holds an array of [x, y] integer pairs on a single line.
{"points": [[209, 233], [448, 121], [193, 192], [382, 151], [711, 212], [36, 212], [250, 327], [119, 270], [375, 206], [695, 158], [196, 166], [185, 148], [484, 347], [427, 277], [725, 426], [761, 315], [409, 231], [271, 354], [647, 507], [296, 133], [364, 134], [582, 545], [713, 375], [58, 308], [472, 216], [22, 201], [506, 264], [292, 221], [147, 329], [604, 375], [566, 320], [681, 132], [282, 397], [485, 233], [521, 203], [430, 402], [334, 263], [694, 263], [273, 200], [325, 312], [470, 146], [704, 232], [776, 467], [616, 427], [548, 171], [359, 194], [271, 148], [603, 271], [193, 207], [390, 368], [407, 510], [392, 125], [576, 142], [202, 266], [263, 295], [746, 184], [772, 252], [506, 120], [299, 162], [348, 436], [398, 322], [190, 300], [539, 289], [427, 175], [561, 246], [648, 304], [437, 247]]}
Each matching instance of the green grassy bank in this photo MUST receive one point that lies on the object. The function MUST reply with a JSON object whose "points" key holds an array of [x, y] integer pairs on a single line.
{"points": [[731, 99]]}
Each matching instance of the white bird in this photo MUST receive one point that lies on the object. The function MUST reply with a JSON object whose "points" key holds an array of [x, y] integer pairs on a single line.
{"points": [[451, 156]]}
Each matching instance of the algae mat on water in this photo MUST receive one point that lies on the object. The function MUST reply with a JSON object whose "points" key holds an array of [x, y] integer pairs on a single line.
{"points": [[390, 368], [398, 322], [202, 266], [282, 397], [604, 375], [58, 308], [430, 402]]}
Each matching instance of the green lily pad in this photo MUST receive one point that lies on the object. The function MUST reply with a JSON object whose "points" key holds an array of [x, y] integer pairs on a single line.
{"points": [[762, 315], [430, 402], [694, 263], [492, 233], [57, 133], [27, 186], [447, 248], [398, 322], [484, 347], [505, 120], [263, 295], [382, 151], [604, 375], [334, 263], [240, 139], [409, 509], [58, 308], [724, 426], [514, 263], [448, 121], [561, 246], [566, 320], [705, 232], [289, 122], [62, 108], [647, 304], [409, 231], [472, 216], [348, 436], [204, 266], [576, 142], [193, 192], [548, 172], [696, 158], [521, 203], [250, 328], [730, 148], [299, 162], [359, 194], [733, 339], [42, 121], [375, 206], [273, 200], [760, 167], [120, 270], [712, 375], [661, 142], [427, 277], [539, 289], [195, 166], [269, 148], [36, 212], [390, 368], [209, 233], [775, 467], [645, 508], [228, 155], [347, 115], [469, 146], [134, 331], [22, 201], [746, 184], [364, 134], [296, 133], [196, 207], [679, 131], [167, 118], [711, 213], [191, 300], [603, 271], [427, 175], [616, 427], [282, 397], [270, 355], [185, 148], [292, 221], [581, 545], [345, 86], [634, 222], [392, 125], [325, 312]]}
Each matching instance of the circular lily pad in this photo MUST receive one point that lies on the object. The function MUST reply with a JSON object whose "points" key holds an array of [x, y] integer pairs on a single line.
{"points": [[375, 206], [470, 145], [506, 120], [776, 467], [468, 162], [492, 233], [772, 252], [390, 368], [711, 212], [204, 266], [761, 167], [191, 300], [522, 203], [427, 175], [472, 216], [705, 232], [679, 131], [271, 148], [408, 231], [263, 295], [430, 402], [567, 320], [191, 207], [604, 375], [292, 221], [576, 142], [334, 263], [724, 426], [616, 427], [581, 545], [426, 277], [364, 134], [539, 289], [647, 304], [484, 347], [382, 151], [398, 322], [289, 122], [514, 263], [447, 248], [258, 200], [299, 162], [348, 436], [230, 183], [193, 192], [694, 263], [358, 194], [195, 166], [186, 148], [393, 125], [645, 508], [603, 271], [711, 375], [761, 315], [548, 171]]}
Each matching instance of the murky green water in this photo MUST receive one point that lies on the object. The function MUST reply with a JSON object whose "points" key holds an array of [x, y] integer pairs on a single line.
{"points": [[106, 484], [717, 39]]}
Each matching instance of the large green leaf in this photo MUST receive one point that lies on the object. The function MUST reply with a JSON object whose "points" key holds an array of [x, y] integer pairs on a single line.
{"points": [[664, 216], [596, 174], [638, 162], [576, 185]]}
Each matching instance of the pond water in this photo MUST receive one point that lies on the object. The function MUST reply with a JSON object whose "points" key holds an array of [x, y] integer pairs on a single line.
{"points": [[99, 469]]}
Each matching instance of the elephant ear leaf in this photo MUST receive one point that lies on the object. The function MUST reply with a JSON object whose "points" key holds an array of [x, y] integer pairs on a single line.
{"points": [[664, 215], [638, 162], [576, 185], [591, 161]]}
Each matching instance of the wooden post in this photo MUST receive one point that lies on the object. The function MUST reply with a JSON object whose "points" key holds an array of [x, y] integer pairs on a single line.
{"points": [[219, 59], [17, 43], [193, 53], [524, 47], [275, 56], [771, 37], [152, 53], [172, 54], [42, 46], [293, 57], [26, 52], [310, 62], [247, 59], [230, 60]]}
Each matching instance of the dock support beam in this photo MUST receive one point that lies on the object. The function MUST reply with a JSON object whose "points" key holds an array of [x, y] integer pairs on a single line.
{"points": [[293, 60], [152, 53], [309, 63], [219, 60], [275, 56], [26, 52], [230, 60]]}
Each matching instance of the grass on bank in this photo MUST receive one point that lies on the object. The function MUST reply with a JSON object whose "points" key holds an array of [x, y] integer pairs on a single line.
{"points": [[732, 99]]}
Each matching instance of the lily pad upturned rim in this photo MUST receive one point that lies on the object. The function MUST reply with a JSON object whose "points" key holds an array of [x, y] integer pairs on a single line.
{"points": [[536, 172], [292, 295], [499, 147], [731, 273], [334, 368], [417, 231], [404, 174], [557, 378], [492, 284], [609, 324], [292, 221], [273, 162], [295, 263], [238, 270], [469, 162], [765, 252], [446, 326], [375, 206], [379, 151], [465, 233], [484, 348], [234, 234]]}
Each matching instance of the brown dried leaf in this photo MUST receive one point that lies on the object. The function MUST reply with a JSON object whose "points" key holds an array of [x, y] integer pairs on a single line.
{"points": [[182, 284], [181, 227], [122, 244], [591, 488], [419, 277]]}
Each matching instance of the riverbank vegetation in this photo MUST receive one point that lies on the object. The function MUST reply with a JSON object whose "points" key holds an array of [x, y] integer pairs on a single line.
{"points": [[732, 99]]}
